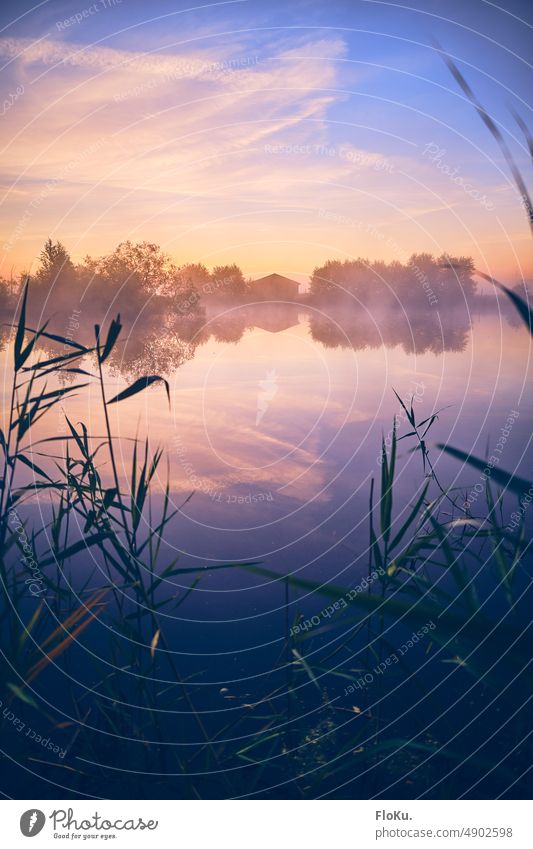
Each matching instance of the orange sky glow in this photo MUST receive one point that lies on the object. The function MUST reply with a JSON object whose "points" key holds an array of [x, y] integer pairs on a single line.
{"points": [[273, 150]]}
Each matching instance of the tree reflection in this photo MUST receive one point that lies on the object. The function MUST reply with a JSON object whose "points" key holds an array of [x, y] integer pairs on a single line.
{"points": [[417, 332]]}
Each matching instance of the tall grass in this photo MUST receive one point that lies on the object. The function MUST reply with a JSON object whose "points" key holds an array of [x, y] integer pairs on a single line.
{"points": [[118, 523], [431, 570]]}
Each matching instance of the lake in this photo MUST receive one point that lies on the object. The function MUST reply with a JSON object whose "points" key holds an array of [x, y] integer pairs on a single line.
{"points": [[273, 438]]}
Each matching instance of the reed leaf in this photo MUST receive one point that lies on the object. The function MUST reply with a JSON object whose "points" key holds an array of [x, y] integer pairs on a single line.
{"points": [[521, 305], [505, 479], [139, 386], [21, 329]]}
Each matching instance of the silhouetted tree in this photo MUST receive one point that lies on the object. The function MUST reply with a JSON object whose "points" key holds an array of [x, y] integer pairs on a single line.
{"points": [[228, 281], [421, 281], [54, 259], [195, 275]]}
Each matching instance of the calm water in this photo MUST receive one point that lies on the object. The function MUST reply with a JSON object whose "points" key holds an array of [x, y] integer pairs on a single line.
{"points": [[275, 429], [272, 440], [279, 435]]}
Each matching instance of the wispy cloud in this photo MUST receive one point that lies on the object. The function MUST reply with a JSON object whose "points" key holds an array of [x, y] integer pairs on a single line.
{"points": [[59, 54], [182, 125], [212, 152]]}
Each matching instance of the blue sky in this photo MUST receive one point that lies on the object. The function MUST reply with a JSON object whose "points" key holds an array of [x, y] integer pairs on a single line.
{"points": [[274, 134]]}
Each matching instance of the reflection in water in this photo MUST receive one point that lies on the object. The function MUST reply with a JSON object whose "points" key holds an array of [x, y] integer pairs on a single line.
{"points": [[167, 311], [159, 343], [324, 374], [158, 349], [418, 332], [273, 317]]}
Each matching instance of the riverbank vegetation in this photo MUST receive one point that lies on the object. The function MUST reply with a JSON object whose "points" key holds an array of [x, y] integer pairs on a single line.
{"points": [[140, 277]]}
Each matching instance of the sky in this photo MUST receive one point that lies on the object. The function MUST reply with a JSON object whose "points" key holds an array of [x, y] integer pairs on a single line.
{"points": [[272, 134]]}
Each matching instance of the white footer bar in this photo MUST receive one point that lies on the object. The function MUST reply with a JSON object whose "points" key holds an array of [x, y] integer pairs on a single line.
{"points": [[268, 824]]}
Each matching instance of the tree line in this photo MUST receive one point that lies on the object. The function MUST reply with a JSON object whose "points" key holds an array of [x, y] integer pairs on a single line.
{"points": [[421, 281], [141, 280]]}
